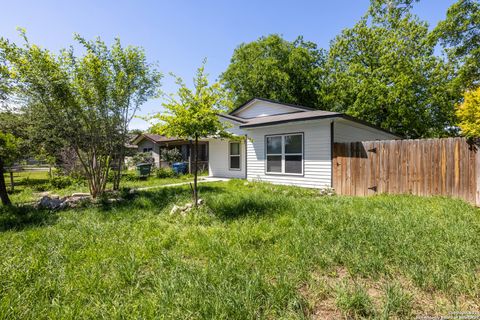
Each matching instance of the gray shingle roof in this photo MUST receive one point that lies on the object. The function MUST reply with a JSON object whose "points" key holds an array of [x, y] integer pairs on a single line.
{"points": [[288, 117]]}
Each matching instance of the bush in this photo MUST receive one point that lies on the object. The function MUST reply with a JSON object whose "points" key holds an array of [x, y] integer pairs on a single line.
{"points": [[129, 176], [61, 182], [165, 173], [171, 155], [143, 157], [126, 176]]}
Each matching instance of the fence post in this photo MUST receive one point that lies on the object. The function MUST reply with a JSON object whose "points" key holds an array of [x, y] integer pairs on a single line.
{"points": [[12, 184]]}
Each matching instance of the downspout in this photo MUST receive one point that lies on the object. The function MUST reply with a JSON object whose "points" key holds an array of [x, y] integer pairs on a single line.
{"points": [[332, 140], [246, 140]]}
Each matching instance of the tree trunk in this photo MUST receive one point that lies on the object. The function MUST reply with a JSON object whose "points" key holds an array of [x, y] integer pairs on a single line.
{"points": [[195, 173], [3, 188], [118, 170]]}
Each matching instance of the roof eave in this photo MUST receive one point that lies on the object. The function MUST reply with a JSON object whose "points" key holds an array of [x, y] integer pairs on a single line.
{"points": [[271, 123], [330, 116], [271, 101]]}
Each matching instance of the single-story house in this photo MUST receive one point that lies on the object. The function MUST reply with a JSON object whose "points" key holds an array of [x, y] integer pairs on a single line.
{"points": [[284, 143], [154, 143]]}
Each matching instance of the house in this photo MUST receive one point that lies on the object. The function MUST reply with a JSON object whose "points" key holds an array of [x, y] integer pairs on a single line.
{"points": [[154, 143], [285, 144]]}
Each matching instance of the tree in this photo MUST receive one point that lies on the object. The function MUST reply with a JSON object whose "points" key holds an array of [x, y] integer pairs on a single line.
{"points": [[468, 113], [8, 153], [193, 115], [85, 101], [383, 71], [459, 35], [10, 124], [274, 68]]}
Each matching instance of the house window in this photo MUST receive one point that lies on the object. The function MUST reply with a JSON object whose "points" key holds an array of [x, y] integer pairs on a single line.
{"points": [[234, 155], [147, 149], [285, 153]]}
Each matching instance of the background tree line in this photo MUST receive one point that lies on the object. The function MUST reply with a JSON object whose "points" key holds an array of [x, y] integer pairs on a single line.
{"points": [[383, 70]]}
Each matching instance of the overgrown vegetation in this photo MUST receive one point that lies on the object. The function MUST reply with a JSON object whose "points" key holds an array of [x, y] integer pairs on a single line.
{"points": [[82, 102], [29, 186], [252, 251]]}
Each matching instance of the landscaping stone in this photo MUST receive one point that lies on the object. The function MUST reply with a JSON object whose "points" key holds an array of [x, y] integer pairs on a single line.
{"points": [[55, 202], [51, 203], [81, 194], [183, 210]]}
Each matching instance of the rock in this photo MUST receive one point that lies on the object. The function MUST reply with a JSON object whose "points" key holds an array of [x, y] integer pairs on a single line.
{"points": [[200, 202], [47, 202], [175, 209], [80, 194], [43, 194]]}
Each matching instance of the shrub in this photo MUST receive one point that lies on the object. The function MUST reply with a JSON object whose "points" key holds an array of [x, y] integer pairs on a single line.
{"points": [[143, 157], [171, 155], [126, 176], [165, 173], [129, 176], [61, 182]]}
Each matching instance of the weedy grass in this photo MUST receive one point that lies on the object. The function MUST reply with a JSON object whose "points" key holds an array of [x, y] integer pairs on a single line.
{"points": [[249, 252], [354, 301], [29, 184]]}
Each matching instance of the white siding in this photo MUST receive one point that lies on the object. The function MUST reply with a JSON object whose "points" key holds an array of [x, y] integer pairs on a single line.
{"points": [[317, 160], [219, 162], [263, 108], [218, 153], [349, 131]]}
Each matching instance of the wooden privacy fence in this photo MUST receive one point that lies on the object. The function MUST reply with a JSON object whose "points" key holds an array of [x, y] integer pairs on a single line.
{"points": [[449, 166]]}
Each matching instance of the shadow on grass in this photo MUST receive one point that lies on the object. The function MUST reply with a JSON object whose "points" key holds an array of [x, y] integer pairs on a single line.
{"points": [[19, 218], [27, 182], [157, 199], [238, 207]]}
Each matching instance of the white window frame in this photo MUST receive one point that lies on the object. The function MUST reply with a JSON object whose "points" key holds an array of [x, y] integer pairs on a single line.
{"points": [[230, 155], [283, 154]]}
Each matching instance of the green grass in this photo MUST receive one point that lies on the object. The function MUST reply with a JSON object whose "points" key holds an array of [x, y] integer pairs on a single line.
{"points": [[253, 251], [29, 183]]}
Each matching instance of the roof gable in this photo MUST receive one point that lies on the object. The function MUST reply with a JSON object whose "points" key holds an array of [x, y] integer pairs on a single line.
{"points": [[259, 107], [155, 138]]}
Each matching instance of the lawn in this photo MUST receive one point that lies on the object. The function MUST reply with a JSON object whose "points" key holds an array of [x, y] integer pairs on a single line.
{"points": [[252, 251], [30, 184]]}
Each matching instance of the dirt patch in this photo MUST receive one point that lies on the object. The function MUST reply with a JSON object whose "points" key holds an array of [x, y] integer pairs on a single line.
{"points": [[320, 294]]}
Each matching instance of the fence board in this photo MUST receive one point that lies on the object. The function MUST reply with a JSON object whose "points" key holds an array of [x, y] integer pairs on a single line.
{"points": [[449, 166]]}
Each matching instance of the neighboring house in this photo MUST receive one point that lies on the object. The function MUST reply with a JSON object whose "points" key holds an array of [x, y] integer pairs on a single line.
{"points": [[284, 143], [154, 143]]}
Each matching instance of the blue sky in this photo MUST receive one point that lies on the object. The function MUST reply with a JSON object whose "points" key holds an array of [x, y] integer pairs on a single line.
{"points": [[177, 35]]}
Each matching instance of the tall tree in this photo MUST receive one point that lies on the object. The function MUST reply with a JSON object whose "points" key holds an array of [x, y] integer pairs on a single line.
{"points": [[274, 68], [468, 113], [86, 101], [459, 35], [383, 71], [193, 115], [9, 151]]}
